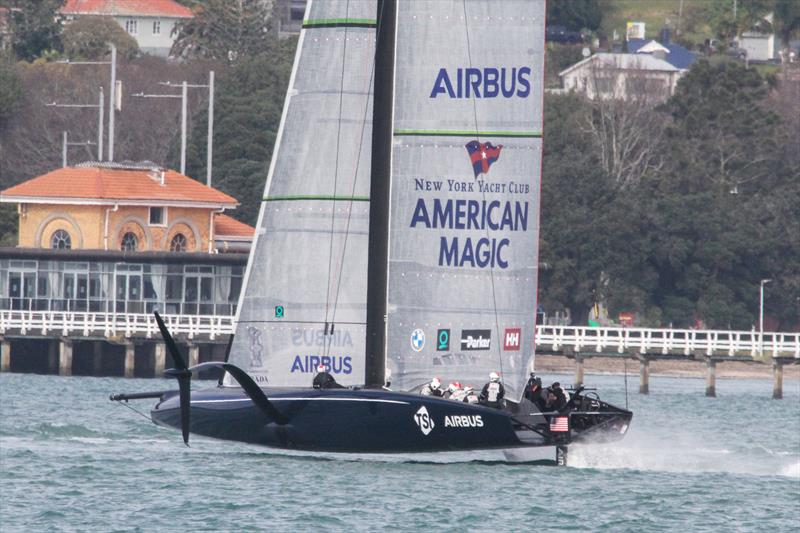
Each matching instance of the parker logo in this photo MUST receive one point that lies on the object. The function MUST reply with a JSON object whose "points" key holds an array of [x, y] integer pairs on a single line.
{"points": [[424, 420], [512, 340], [463, 421], [476, 339]]}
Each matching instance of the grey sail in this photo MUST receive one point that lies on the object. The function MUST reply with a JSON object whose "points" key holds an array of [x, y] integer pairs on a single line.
{"points": [[466, 169], [304, 296]]}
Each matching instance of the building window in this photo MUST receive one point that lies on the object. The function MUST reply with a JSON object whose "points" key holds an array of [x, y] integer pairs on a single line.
{"points": [[129, 242], [178, 243], [157, 217], [132, 26], [61, 240], [156, 27]]}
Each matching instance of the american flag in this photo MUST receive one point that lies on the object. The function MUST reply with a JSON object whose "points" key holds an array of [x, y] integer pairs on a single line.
{"points": [[559, 424]]}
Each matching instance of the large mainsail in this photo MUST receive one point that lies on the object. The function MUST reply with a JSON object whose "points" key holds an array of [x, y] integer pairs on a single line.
{"points": [[466, 168], [304, 301]]}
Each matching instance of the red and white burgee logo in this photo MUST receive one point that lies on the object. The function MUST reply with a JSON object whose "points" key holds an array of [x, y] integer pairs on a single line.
{"points": [[512, 339]]}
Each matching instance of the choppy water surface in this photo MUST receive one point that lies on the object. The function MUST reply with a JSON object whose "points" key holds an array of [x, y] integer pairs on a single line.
{"points": [[73, 461]]}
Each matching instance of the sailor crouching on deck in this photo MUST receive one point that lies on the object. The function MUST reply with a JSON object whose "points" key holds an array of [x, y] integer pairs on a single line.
{"points": [[454, 392], [493, 392], [434, 388], [324, 380]]}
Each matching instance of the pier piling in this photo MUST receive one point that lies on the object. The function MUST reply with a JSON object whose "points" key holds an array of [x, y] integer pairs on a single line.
{"points": [[5, 356], [160, 354], [130, 351], [578, 371], [194, 354], [777, 386], [97, 358], [711, 378], [644, 376], [65, 357]]}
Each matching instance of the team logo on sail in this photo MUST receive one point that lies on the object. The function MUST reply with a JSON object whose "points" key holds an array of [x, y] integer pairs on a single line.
{"points": [[418, 340], [482, 155], [512, 339], [424, 420], [476, 339]]}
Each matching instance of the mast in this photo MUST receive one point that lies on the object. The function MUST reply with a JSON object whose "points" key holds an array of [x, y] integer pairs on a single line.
{"points": [[377, 271]]}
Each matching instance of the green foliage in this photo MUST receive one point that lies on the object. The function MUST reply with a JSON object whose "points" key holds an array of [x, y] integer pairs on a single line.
{"points": [[749, 15], [224, 30], [9, 225], [88, 38], [786, 21], [10, 89], [575, 14], [34, 27]]}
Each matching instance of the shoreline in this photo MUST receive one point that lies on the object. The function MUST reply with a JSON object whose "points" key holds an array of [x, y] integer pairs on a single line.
{"points": [[676, 368]]}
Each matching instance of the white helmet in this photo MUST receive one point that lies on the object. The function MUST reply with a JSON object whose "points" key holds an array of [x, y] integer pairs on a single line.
{"points": [[494, 377], [321, 368], [454, 386], [435, 383]]}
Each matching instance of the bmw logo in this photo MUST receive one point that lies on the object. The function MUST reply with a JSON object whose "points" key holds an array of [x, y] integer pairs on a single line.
{"points": [[418, 340]]}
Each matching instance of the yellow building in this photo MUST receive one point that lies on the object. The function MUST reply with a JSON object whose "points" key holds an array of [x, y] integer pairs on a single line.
{"points": [[129, 208]]}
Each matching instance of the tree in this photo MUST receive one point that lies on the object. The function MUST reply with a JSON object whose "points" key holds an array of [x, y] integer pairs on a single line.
{"points": [[227, 30], [786, 21], [10, 89], [34, 27], [729, 24], [575, 14], [723, 133], [88, 38]]}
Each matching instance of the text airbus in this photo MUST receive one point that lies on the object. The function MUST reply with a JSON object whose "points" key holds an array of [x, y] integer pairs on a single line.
{"points": [[488, 82]]}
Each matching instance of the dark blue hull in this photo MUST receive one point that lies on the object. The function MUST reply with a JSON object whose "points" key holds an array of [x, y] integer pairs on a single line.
{"points": [[361, 420]]}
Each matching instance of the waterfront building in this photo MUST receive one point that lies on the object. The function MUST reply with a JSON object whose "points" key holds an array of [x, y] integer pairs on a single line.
{"points": [[106, 244]]}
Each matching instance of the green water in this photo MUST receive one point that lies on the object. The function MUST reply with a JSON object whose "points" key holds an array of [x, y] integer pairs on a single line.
{"points": [[73, 461]]}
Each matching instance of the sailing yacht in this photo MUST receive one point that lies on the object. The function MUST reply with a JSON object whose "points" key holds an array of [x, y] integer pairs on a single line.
{"points": [[397, 241]]}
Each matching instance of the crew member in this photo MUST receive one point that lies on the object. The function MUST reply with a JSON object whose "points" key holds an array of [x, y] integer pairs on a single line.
{"points": [[324, 380], [469, 395], [434, 388], [556, 397], [452, 390], [534, 392], [493, 392]]}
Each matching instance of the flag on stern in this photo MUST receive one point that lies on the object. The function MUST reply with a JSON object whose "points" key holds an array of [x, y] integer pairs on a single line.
{"points": [[482, 155], [559, 424]]}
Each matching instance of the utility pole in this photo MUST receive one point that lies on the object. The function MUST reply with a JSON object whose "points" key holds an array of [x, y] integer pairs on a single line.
{"points": [[761, 319], [65, 143], [112, 99], [184, 104], [99, 107]]}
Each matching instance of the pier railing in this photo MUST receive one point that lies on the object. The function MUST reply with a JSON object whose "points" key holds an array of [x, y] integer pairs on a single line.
{"points": [[110, 325], [587, 340], [685, 342]]}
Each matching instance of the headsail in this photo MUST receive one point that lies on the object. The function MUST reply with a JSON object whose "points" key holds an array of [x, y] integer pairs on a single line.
{"points": [[306, 273], [466, 168]]}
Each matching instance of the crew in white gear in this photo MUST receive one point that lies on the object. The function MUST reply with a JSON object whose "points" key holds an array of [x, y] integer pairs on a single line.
{"points": [[432, 389], [493, 392]]}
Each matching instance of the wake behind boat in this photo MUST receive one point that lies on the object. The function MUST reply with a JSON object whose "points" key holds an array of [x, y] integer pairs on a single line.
{"points": [[397, 240]]}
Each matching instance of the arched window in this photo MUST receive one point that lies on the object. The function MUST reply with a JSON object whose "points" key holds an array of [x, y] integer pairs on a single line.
{"points": [[129, 242], [178, 243], [61, 240]]}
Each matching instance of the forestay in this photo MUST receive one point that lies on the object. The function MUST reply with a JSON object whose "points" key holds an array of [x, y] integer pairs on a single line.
{"points": [[309, 264], [466, 167]]}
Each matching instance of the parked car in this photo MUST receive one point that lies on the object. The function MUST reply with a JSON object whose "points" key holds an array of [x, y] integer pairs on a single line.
{"points": [[560, 34]]}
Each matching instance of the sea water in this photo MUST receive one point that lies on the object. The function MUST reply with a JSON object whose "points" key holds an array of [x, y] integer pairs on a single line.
{"points": [[71, 460]]}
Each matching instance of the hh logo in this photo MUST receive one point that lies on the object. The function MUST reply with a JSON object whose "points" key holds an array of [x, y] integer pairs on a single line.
{"points": [[512, 339], [424, 420]]}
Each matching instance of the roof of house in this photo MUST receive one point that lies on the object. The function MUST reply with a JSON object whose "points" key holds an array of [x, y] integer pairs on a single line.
{"points": [[676, 55], [146, 8], [625, 62], [128, 185], [225, 226]]}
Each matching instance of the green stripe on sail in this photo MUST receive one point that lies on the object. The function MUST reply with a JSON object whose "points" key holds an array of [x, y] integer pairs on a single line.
{"points": [[316, 23], [457, 133], [316, 197]]}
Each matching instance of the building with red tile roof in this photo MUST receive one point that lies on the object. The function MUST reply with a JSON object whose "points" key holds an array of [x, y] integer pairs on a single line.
{"points": [[111, 206], [150, 22]]}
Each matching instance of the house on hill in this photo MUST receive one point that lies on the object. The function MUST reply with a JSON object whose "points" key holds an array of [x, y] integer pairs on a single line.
{"points": [[150, 22]]}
